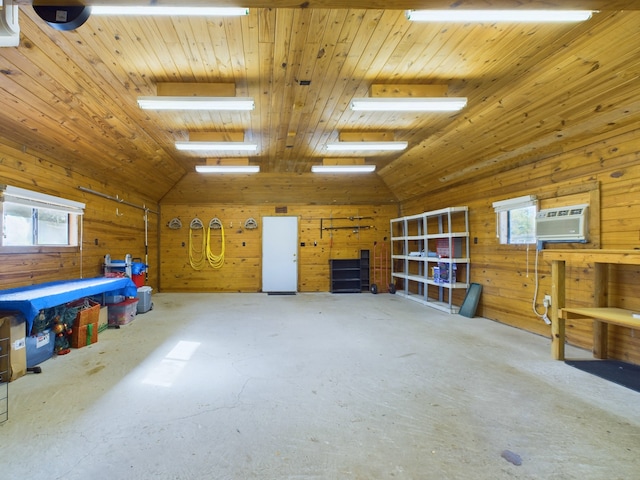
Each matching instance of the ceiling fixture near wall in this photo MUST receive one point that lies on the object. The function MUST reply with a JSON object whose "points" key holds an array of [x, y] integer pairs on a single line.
{"points": [[196, 96], [9, 26], [408, 98], [216, 142], [366, 141], [343, 165], [493, 16], [168, 10], [227, 165], [62, 18]]}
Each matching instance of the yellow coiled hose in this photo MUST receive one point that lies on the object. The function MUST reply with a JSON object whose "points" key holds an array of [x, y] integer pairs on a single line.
{"points": [[216, 261], [197, 258]]}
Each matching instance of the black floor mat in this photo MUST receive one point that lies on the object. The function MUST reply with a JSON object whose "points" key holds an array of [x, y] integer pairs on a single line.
{"points": [[281, 293], [625, 374]]}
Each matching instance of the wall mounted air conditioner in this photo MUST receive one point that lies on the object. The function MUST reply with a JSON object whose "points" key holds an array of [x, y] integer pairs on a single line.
{"points": [[563, 224], [9, 28]]}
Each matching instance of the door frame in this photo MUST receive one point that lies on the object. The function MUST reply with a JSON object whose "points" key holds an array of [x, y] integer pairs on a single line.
{"points": [[297, 253]]}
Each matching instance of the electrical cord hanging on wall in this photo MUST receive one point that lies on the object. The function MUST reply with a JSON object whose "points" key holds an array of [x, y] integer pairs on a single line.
{"points": [[196, 257], [545, 315], [216, 261]]}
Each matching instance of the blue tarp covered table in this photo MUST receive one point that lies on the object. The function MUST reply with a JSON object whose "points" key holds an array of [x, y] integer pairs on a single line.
{"points": [[31, 299]]}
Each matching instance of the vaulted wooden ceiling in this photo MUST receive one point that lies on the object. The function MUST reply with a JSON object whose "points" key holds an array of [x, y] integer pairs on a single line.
{"points": [[533, 91]]}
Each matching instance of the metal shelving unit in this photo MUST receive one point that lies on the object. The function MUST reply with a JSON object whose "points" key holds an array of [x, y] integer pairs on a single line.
{"points": [[430, 256], [4, 379]]}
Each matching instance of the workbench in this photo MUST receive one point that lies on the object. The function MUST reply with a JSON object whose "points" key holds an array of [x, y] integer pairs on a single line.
{"points": [[31, 299], [601, 314]]}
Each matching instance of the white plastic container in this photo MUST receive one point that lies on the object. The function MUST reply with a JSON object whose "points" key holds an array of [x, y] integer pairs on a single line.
{"points": [[144, 299]]}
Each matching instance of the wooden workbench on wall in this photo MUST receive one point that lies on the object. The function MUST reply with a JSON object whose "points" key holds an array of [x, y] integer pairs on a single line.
{"points": [[602, 313]]}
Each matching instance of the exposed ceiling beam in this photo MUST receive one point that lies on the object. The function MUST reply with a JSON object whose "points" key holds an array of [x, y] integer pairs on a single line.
{"points": [[604, 5]]}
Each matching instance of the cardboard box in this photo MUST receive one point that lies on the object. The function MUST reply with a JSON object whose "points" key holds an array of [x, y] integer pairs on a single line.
{"points": [[84, 335], [103, 319], [85, 325], [88, 312], [442, 247], [446, 273], [13, 326]]}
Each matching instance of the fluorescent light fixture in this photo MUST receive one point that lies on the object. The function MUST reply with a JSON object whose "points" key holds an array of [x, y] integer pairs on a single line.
{"points": [[366, 146], [168, 10], [343, 168], [227, 168], [196, 103], [216, 146], [479, 16], [408, 104]]}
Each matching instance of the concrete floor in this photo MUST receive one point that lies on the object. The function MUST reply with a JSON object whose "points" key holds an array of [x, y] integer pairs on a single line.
{"points": [[316, 386]]}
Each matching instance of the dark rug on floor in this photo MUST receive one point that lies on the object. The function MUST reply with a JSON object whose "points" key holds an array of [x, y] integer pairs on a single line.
{"points": [[281, 293], [625, 374]]}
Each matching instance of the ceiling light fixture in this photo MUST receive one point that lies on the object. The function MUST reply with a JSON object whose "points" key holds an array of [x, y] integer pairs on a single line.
{"points": [[479, 16], [227, 168], [196, 103], [216, 146], [168, 10], [408, 104], [343, 168], [196, 96], [365, 146]]}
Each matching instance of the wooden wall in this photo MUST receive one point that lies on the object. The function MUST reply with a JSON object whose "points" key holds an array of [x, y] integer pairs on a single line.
{"points": [[109, 227], [604, 171], [242, 268]]}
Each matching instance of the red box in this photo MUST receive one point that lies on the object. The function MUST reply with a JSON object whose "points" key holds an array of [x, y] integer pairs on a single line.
{"points": [[443, 251], [123, 313]]}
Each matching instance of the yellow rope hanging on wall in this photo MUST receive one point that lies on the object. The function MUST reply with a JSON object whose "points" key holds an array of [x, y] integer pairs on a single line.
{"points": [[216, 261], [196, 257]]}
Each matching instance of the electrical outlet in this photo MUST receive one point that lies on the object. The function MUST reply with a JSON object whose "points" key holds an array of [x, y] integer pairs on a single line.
{"points": [[547, 300]]}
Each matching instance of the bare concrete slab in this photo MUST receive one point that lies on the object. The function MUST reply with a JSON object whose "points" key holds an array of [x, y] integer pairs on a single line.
{"points": [[316, 386]]}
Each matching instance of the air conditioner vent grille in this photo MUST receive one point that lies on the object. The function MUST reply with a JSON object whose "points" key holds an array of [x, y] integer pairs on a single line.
{"points": [[563, 224]]}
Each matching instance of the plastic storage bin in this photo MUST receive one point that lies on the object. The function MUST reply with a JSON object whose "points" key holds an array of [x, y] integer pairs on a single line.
{"points": [[39, 348], [122, 313], [144, 299], [137, 273]]}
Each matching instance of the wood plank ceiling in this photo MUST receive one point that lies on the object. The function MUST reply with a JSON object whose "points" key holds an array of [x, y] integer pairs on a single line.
{"points": [[533, 91]]}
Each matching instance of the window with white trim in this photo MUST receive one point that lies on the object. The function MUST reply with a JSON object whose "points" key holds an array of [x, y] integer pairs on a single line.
{"points": [[32, 219], [516, 220]]}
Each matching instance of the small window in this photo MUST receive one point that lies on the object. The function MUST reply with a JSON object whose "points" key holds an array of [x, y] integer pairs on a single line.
{"points": [[516, 220], [33, 219]]}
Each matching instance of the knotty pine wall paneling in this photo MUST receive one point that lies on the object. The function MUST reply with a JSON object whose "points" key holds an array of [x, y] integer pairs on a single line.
{"points": [[109, 227], [242, 269], [606, 173]]}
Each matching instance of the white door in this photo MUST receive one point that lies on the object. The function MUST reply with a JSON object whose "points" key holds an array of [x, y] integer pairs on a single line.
{"points": [[280, 254]]}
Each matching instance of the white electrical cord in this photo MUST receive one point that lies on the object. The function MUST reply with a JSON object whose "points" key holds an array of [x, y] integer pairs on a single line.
{"points": [[545, 315]]}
